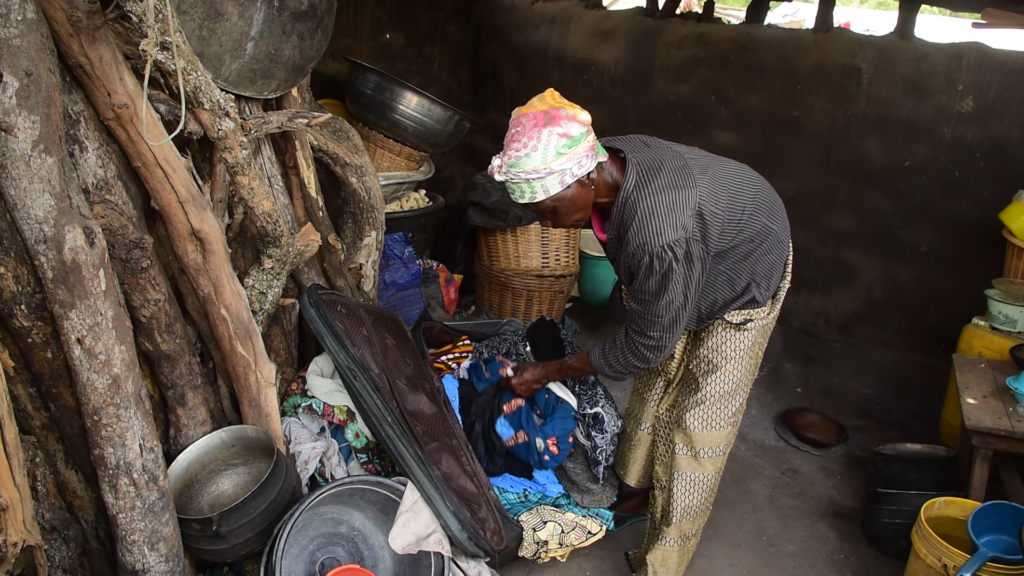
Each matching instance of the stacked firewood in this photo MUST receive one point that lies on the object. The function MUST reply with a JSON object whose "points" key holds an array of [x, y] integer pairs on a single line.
{"points": [[148, 282]]}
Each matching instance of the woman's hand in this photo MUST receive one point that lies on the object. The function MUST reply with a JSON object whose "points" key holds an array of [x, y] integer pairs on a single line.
{"points": [[528, 378]]}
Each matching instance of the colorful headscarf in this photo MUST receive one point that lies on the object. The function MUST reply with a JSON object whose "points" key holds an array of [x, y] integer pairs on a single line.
{"points": [[550, 144]]}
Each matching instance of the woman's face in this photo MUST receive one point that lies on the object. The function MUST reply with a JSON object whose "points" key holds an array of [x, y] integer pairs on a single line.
{"points": [[570, 208]]}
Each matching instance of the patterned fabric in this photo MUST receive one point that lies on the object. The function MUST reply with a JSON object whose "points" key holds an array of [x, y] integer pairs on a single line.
{"points": [[692, 236], [448, 359], [370, 455], [542, 428], [519, 503], [598, 419], [682, 421], [549, 145], [552, 533]]}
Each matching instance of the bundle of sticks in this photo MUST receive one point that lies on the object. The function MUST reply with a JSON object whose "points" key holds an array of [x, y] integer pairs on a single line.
{"points": [[148, 284]]}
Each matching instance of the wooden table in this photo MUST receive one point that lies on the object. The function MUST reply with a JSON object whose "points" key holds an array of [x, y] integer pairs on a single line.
{"points": [[991, 420]]}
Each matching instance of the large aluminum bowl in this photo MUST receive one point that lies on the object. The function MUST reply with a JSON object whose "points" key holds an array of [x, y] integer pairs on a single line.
{"points": [[401, 111]]}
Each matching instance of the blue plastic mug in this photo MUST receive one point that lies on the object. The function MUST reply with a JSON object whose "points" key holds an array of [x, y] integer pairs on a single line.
{"points": [[995, 529]]}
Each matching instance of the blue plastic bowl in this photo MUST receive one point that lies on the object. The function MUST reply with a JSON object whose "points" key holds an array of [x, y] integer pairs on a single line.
{"points": [[1016, 385]]}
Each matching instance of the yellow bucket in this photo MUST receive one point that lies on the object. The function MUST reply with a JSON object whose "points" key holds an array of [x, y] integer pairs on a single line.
{"points": [[1013, 216], [942, 544], [335, 107]]}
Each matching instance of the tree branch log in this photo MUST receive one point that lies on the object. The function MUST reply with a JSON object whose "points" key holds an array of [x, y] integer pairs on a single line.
{"points": [[160, 330], [195, 235], [70, 256], [19, 531], [310, 203], [267, 123], [307, 270], [361, 224], [80, 497], [24, 310], [281, 251]]}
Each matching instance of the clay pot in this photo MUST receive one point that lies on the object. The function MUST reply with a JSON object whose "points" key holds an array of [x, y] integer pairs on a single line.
{"points": [[814, 428]]}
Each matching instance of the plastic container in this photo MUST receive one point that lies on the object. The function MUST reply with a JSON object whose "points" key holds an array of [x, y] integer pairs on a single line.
{"points": [[1013, 215], [335, 107], [597, 276], [941, 543], [978, 340], [420, 224], [1004, 312]]}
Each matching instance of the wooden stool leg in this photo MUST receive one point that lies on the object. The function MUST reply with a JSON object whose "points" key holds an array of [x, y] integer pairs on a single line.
{"points": [[980, 466]]}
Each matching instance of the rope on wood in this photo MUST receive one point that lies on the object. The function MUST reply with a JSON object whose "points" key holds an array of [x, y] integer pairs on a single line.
{"points": [[149, 48]]}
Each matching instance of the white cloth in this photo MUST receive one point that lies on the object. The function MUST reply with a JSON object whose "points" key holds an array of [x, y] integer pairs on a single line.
{"points": [[324, 382], [310, 448], [562, 392], [416, 529]]}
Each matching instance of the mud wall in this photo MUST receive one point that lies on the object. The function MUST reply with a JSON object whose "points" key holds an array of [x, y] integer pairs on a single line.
{"points": [[893, 158]]}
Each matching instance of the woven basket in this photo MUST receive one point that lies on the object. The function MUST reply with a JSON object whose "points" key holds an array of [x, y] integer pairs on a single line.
{"points": [[522, 295], [388, 155], [531, 249], [1013, 266]]}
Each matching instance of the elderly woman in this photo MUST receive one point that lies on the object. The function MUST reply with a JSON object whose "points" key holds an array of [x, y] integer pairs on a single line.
{"points": [[701, 245]]}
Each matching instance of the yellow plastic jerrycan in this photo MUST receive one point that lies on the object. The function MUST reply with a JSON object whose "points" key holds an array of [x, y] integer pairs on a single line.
{"points": [[1013, 215], [979, 340]]}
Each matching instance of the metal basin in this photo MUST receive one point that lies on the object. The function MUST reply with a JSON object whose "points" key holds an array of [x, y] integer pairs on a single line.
{"points": [[257, 48], [394, 184], [401, 111], [230, 489]]}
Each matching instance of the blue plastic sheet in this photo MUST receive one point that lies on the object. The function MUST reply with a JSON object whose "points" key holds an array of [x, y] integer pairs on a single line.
{"points": [[401, 279]]}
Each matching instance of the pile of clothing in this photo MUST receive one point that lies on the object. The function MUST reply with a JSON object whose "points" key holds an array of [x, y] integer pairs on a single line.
{"points": [[549, 457], [328, 439]]}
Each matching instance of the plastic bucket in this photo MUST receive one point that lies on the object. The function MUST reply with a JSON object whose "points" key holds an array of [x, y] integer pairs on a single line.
{"points": [[941, 543], [597, 276]]}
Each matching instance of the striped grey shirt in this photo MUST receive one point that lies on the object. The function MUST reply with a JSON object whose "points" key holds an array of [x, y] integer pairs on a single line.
{"points": [[692, 236]]}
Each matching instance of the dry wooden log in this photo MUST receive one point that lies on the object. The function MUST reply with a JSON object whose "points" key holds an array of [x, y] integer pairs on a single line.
{"points": [[281, 250], [272, 122], [19, 532], [305, 185], [62, 536], [111, 187], [361, 225], [308, 271], [220, 188], [23, 309], [214, 367], [282, 337], [70, 255], [194, 233], [81, 498]]}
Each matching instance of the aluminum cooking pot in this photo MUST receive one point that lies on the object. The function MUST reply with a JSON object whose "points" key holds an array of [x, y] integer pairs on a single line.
{"points": [[230, 489]]}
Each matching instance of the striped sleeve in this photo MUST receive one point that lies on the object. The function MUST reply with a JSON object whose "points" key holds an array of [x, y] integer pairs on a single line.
{"points": [[661, 297]]}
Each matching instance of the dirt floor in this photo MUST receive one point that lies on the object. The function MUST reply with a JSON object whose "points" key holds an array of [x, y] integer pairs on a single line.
{"points": [[780, 510]]}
